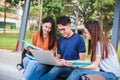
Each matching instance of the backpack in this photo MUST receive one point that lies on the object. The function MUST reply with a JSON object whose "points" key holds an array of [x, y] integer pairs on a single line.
{"points": [[93, 77], [20, 65]]}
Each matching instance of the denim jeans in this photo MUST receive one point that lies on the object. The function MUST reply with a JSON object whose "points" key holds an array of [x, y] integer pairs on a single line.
{"points": [[78, 73], [34, 70], [55, 72], [26, 61]]}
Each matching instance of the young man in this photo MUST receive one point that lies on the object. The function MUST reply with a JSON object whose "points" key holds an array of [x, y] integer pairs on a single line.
{"points": [[71, 46]]}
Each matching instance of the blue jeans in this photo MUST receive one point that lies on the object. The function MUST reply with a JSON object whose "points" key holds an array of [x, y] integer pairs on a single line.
{"points": [[26, 61], [78, 73], [34, 70], [55, 72]]}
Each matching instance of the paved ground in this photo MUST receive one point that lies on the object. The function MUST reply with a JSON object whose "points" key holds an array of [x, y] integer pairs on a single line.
{"points": [[8, 61]]}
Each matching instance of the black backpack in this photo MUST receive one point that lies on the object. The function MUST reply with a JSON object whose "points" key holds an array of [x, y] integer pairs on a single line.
{"points": [[20, 65]]}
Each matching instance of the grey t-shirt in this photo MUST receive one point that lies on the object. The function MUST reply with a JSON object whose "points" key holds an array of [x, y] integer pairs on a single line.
{"points": [[110, 64]]}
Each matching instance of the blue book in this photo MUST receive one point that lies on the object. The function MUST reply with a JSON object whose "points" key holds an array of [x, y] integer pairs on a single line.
{"points": [[80, 63]]}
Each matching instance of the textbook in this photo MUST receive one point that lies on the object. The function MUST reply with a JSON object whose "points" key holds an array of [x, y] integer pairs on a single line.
{"points": [[79, 63], [30, 46]]}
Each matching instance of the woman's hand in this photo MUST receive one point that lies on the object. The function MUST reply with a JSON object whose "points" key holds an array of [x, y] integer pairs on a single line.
{"points": [[27, 49]]}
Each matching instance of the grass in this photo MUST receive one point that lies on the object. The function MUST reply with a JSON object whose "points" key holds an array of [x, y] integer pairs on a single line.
{"points": [[8, 41]]}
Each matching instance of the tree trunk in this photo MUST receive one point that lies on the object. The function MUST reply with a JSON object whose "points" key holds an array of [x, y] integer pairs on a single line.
{"points": [[4, 17], [76, 16], [40, 3]]}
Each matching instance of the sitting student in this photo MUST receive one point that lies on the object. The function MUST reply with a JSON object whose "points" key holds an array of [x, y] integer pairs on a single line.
{"points": [[103, 55], [45, 39], [71, 46]]}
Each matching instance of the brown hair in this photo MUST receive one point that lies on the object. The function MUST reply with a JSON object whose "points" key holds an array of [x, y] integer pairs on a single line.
{"points": [[96, 33]]}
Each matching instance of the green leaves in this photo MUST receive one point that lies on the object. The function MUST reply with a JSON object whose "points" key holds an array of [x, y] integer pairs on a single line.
{"points": [[12, 2], [52, 8]]}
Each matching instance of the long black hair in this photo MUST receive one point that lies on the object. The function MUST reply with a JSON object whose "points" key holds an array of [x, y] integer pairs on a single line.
{"points": [[52, 33]]}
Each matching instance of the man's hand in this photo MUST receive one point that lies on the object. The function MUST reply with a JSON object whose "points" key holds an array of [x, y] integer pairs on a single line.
{"points": [[61, 62]]}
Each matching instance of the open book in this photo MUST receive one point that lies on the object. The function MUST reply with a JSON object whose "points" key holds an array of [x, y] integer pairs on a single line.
{"points": [[28, 45]]}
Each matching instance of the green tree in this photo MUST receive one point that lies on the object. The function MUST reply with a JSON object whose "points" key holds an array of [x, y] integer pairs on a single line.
{"points": [[105, 10], [97, 9], [86, 10], [67, 7], [51, 8], [48, 8]]}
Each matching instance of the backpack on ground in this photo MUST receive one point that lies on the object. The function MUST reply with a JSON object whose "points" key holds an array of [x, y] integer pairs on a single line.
{"points": [[93, 77]]}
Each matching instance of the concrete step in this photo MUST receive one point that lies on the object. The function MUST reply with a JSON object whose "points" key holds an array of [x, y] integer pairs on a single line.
{"points": [[8, 62]]}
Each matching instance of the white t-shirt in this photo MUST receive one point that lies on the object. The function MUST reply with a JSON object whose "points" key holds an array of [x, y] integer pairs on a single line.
{"points": [[110, 64]]}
